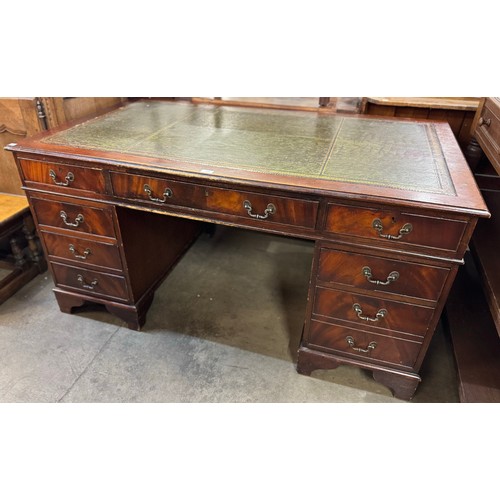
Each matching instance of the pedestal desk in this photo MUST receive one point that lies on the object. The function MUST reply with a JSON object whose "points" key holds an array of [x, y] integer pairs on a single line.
{"points": [[390, 204]]}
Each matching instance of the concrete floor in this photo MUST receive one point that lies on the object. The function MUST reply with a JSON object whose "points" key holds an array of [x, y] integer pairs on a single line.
{"points": [[224, 327]]}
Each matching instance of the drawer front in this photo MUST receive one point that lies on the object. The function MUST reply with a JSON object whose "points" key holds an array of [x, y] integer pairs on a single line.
{"points": [[90, 282], [363, 345], [395, 227], [363, 311], [79, 218], [63, 176], [82, 251], [265, 208], [157, 191], [381, 274]]}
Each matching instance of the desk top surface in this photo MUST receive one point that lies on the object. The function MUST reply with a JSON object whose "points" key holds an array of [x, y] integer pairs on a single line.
{"points": [[404, 159]]}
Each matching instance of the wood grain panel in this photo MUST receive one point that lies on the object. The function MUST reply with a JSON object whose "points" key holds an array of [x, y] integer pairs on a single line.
{"points": [[90, 282], [426, 231], [400, 317], [85, 179], [82, 251], [97, 221], [133, 187], [287, 210], [391, 350], [414, 280]]}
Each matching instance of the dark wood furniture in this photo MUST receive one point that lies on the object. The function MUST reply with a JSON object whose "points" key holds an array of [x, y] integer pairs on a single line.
{"points": [[391, 205], [459, 112], [474, 308]]}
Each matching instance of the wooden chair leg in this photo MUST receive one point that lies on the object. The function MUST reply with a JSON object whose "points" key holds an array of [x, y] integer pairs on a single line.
{"points": [[34, 246], [17, 252]]}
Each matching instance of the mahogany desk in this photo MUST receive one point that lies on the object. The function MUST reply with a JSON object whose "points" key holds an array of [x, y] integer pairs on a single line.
{"points": [[390, 203]]}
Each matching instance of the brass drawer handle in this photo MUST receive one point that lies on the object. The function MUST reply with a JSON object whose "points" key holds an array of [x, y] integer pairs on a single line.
{"points": [[377, 225], [352, 345], [484, 122], [367, 273], [78, 220], [270, 210], [88, 286], [357, 309], [69, 178], [77, 255], [166, 194]]}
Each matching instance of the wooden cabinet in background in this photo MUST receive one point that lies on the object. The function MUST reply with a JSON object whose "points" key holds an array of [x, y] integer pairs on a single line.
{"points": [[24, 116], [459, 112], [473, 309], [19, 117]]}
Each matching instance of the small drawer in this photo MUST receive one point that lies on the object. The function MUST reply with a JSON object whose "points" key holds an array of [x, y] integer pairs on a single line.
{"points": [[90, 282], [63, 176], [79, 218], [381, 274], [363, 345], [82, 251], [157, 191], [394, 227], [265, 208], [363, 311]]}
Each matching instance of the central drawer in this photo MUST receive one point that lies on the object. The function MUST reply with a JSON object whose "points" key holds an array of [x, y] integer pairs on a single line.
{"points": [[248, 205], [381, 274], [362, 311], [269, 208]]}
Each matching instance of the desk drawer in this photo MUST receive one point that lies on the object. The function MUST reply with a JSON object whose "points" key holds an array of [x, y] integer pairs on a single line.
{"points": [[90, 282], [361, 344], [64, 177], [395, 227], [381, 274], [82, 251], [363, 311], [265, 208], [157, 191], [79, 218]]}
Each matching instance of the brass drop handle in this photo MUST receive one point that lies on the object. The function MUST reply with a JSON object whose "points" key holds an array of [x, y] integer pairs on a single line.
{"points": [[367, 273], [270, 210], [352, 345], [166, 194], [377, 225], [77, 255], [484, 121], [88, 286], [69, 178], [78, 220], [380, 314]]}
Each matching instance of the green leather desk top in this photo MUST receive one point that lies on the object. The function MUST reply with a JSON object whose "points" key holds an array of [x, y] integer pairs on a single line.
{"points": [[388, 153]]}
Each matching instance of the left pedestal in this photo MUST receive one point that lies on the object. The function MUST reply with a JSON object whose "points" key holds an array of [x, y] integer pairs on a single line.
{"points": [[109, 255]]}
